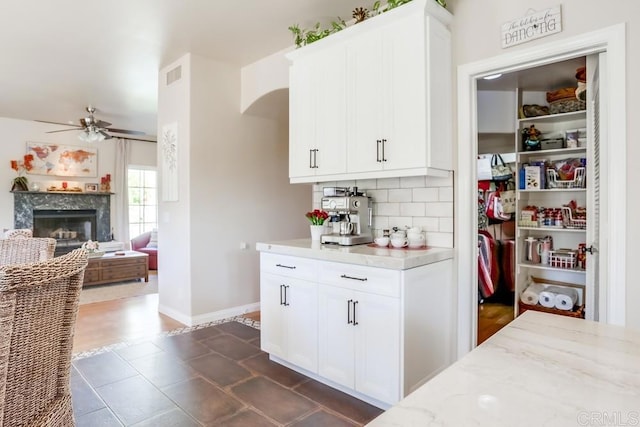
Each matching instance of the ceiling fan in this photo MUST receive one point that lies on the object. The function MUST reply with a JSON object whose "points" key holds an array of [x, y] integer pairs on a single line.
{"points": [[96, 130]]}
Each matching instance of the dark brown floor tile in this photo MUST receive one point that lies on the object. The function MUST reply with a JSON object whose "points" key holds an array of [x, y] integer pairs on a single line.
{"points": [[204, 333], [84, 399], [323, 419], [182, 346], [256, 342], [352, 408], [138, 350], [134, 399], [230, 346], [104, 368], [239, 330], [245, 418], [218, 369], [163, 369], [101, 417], [173, 418], [273, 400], [280, 374], [202, 400]]}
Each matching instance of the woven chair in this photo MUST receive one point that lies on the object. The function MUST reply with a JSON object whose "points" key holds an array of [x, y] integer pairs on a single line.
{"points": [[22, 251], [38, 308], [18, 233]]}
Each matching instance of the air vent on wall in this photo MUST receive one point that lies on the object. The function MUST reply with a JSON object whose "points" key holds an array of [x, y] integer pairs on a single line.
{"points": [[174, 75]]}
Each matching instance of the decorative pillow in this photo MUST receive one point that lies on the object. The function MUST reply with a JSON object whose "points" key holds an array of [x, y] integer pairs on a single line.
{"points": [[153, 241]]}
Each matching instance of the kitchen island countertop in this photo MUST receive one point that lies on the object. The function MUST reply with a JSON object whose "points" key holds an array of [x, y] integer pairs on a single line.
{"points": [[540, 370], [391, 258]]}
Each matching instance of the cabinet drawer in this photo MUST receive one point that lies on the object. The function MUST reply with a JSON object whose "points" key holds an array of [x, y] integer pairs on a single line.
{"points": [[91, 275], [123, 262], [290, 266], [124, 272], [374, 280]]}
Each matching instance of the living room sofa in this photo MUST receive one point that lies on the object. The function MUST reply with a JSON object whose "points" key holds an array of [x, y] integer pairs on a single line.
{"points": [[147, 243]]}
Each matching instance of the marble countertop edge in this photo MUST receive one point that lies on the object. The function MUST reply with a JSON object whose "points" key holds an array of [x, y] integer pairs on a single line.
{"points": [[395, 259]]}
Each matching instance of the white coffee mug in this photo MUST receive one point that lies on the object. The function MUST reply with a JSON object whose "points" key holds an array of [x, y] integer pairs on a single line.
{"points": [[399, 242], [381, 241]]}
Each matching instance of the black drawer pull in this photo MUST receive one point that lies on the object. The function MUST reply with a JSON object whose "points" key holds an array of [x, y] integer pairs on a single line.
{"points": [[344, 276], [290, 267]]}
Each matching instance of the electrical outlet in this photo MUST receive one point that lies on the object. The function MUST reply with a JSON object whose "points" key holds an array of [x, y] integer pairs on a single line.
{"points": [[244, 246]]}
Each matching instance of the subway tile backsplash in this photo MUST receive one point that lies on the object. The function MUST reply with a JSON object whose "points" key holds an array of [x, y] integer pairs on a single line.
{"points": [[417, 201]]}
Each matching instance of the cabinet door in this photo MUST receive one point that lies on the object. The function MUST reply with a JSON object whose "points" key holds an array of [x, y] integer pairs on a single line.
{"points": [[317, 141], [365, 102], [302, 324], [273, 332], [404, 93], [377, 351], [336, 335]]}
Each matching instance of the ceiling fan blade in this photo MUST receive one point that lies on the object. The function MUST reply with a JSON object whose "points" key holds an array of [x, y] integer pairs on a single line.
{"points": [[63, 130], [102, 124], [55, 123], [83, 123], [128, 132], [106, 135]]}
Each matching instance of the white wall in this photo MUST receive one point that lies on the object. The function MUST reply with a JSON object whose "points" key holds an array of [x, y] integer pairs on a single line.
{"points": [[476, 36], [235, 170], [15, 134]]}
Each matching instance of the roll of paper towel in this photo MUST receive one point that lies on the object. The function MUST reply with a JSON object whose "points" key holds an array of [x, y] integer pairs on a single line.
{"points": [[547, 298], [566, 298], [532, 293]]}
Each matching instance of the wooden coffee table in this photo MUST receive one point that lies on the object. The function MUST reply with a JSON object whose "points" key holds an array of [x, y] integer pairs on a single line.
{"points": [[111, 268]]}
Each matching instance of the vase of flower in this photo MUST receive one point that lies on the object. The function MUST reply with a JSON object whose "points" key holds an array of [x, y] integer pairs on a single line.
{"points": [[316, 232], [20, 182], [317, 218]]}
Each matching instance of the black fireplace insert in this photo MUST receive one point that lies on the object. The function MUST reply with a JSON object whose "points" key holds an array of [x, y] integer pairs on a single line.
{"points": [[70, 227]]}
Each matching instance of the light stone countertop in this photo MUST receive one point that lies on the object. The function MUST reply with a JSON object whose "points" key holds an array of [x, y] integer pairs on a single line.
{"points": [[395, 259], [540, 370]]}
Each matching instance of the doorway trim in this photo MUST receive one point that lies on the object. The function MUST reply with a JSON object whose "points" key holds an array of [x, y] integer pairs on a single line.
{"points": [[612, 295]]}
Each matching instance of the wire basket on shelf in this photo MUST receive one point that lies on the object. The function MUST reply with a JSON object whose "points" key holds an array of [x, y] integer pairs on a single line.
{"points": [[563, 259], [579, 179], [569, 222]]}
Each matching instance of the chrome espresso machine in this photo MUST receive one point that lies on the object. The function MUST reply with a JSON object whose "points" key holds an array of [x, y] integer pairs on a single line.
{"points": [[350, 219]]}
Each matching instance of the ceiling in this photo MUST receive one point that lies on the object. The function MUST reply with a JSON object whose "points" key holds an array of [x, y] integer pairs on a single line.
{"points": [[60, 56]]}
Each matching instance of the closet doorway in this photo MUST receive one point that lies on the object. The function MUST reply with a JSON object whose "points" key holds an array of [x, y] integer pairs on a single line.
{"points": [[608, 43]]}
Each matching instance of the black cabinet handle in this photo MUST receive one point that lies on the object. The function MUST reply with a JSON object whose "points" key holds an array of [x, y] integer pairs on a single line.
{"points": [[311, 159], [355, 322], [361, 279], [384, 142], [281, 296], [315, 158], [349, 321], [290, 267], [378, 142], [286, 303]]}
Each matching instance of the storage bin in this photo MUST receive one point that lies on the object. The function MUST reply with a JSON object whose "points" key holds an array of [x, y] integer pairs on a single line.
{"points": [[579, 179], [563, 259]]}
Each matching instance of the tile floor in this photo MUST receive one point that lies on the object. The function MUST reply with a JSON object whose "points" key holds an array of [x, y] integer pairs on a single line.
{"points": [[214, 376]]}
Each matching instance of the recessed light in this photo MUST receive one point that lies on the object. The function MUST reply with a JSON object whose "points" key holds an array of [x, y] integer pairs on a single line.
{"points": [[493, 76]]}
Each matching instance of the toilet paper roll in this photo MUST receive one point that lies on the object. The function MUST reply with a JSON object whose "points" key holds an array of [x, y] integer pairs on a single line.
{"points": [[547, 299], [531, 294], [566, 299]]}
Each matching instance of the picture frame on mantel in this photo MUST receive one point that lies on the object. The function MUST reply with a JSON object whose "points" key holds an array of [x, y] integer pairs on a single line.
{"points": [[91, 187]]}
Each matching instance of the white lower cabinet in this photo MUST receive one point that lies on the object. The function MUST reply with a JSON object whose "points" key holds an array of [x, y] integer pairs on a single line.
{"points": [[375, 333], [289, 310], [360, 341]]}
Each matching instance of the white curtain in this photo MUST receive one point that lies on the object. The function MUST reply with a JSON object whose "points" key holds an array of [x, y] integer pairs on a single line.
{"points": [[121, 171]]}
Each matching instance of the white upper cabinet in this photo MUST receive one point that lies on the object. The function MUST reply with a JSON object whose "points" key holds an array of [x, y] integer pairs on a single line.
{"points": [[381, 90], [317, 114]]}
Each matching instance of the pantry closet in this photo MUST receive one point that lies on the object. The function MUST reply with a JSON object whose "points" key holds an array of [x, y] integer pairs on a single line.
{"points": [[533, 227]]}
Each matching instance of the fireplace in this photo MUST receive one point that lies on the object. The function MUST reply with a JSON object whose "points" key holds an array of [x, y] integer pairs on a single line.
{"points": [[70, 227], [88, 216]]}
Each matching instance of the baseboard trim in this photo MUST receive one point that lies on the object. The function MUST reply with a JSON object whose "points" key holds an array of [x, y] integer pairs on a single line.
{"points": [[208, 317]]}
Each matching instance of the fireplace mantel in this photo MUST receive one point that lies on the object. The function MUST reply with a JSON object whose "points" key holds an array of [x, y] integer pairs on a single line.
{"points": [[24, 202]]}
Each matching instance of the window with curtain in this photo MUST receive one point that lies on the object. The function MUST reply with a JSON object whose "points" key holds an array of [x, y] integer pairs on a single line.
{"points": [[143, 200]]}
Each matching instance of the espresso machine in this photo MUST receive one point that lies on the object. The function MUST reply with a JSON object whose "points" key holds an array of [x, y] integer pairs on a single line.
{"points": [[350, 219]]}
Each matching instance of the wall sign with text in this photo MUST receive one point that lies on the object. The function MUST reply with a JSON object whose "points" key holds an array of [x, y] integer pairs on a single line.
{"points": [[531, 27]]}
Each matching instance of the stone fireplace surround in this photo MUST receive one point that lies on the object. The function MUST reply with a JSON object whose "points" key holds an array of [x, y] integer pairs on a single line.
{"points": [[24, 202]]}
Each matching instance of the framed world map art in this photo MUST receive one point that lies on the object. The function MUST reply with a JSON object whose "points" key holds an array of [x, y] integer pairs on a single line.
{"points": [[63, 160]]}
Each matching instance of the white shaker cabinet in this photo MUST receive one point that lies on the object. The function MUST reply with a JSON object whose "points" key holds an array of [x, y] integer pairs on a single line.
{"points": [[399, 86], [360, 341], [289, 307], [380, 93], [317, 113], [375, 333]]}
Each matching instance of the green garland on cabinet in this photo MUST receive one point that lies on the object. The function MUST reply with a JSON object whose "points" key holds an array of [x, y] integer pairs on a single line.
{"points": [[303, 37]]}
